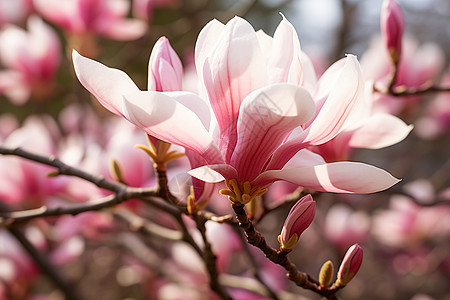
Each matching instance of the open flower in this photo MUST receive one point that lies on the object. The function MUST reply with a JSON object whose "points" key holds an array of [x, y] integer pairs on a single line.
{"points": [[251, 137]]}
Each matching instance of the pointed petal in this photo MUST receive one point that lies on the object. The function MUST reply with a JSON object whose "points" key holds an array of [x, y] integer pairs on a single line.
{"points": [[214, 173], [379, 131], [161, 116], [106, 84], [266, 118], [232, 69], [342, 106], [339, 177], [207, 38], [284, 60]]}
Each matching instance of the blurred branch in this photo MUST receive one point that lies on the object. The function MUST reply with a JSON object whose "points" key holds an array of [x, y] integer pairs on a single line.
{"points": [[210, 260], [264, 287], [43, 262], [139, 224]]}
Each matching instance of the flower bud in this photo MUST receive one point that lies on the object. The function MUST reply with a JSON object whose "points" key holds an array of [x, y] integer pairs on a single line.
{"points": [[165, 70], [392, 27], [350, 265], [326, 273], [299, 218]]}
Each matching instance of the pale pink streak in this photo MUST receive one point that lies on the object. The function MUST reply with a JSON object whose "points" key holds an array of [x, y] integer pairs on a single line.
{"points": [[266, 118], [232, 69]]}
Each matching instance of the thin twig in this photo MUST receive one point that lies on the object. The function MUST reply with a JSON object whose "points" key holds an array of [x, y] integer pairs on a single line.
{"points": [[43, 262], [279, 257], [210, 260]]}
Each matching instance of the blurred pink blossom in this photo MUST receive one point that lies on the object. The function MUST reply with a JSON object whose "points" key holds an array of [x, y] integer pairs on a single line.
{"points": [[419, 65], [344, 226], [407, 225], [32, 60], [392, 27], [84, 19], [14, 11]]}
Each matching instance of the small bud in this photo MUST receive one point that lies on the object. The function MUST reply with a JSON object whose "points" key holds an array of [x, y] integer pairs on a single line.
{"points": [[165, 70], [116, 170], [350, 265], [392, 27], [53, 174], [326, 273], [299, 218]]}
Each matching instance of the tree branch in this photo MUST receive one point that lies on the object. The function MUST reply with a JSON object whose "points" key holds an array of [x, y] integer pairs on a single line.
{"points": [[279, 257]]}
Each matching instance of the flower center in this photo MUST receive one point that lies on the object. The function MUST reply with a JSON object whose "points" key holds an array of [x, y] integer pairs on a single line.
{"points": [[241, 193]]}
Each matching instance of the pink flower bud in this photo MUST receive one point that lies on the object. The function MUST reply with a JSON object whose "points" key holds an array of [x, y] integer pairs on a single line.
{"points": [[164, 68], [350, 265], [298, 219], [392, 27]]}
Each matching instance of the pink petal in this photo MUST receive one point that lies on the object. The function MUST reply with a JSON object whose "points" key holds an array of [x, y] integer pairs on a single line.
{"points": [[214, 173], [266, 118], [108, 85], [165, 70], [206, 40], [379, 131], [232, 69], [342, 106], [123, 30], [284, 60], [161, 116], [339, 177]]}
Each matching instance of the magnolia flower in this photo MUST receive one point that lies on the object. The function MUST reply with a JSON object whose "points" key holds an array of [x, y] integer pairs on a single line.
{"points": [[299, 218], [257, 102], [350, 265], [372, 130], [32, 58], [103, 17], [392, 27]]}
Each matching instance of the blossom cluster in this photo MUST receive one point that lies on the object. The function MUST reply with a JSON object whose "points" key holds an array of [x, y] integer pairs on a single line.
{"points": [[247, 137]]}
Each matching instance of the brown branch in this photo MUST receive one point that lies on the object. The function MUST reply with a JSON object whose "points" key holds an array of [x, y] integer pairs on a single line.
{"points": [[64, 169], [279, 257], [210, 260], [43, 262]]}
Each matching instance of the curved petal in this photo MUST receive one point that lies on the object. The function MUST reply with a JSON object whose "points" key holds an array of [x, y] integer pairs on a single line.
{"points": [[232, 69], [163, 117], [207, 38], [284, 60], [214, 173], [339, 177], [106, 84], [344, 103], [380, 130], [266, 118], [342, 106]]}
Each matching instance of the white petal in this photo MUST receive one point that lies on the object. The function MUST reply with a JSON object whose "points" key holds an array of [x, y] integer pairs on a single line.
{"points": [[339, 177], [161, 116], [106, 84], [380, 130]]}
